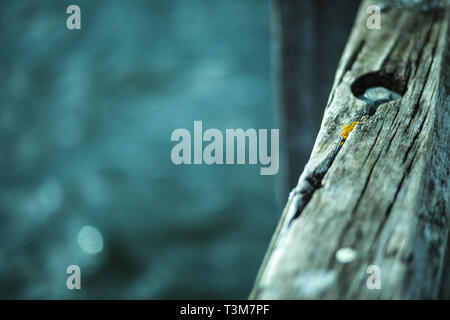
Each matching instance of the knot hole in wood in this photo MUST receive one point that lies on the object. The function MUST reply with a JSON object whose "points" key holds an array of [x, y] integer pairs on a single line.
{"points": [[376, 88]]}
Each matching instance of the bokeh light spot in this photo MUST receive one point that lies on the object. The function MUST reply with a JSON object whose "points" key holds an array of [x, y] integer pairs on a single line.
{"points": [[90, 240]]}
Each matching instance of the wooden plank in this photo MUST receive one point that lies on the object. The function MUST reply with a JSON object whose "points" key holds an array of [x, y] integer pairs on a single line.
{"points": [[380, 196]]}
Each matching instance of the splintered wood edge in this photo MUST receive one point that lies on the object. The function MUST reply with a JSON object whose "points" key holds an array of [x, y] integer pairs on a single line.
{"points": [[383, 191]]}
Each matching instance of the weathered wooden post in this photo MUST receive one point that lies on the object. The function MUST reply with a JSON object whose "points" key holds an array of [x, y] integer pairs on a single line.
{"points": [[373, 198]]}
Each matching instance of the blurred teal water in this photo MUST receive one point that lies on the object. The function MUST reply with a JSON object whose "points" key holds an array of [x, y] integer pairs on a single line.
{"points": [[85, 124]]}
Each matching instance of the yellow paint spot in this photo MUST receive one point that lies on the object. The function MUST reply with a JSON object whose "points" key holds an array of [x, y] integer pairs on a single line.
{"points": [[347, 129], [341, 143]]}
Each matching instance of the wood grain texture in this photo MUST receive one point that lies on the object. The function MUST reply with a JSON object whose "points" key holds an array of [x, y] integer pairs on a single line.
{"points": [[383, 191]]}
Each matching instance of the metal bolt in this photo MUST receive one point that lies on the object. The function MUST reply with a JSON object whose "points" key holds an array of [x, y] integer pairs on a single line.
{"points": [[346, 255]]}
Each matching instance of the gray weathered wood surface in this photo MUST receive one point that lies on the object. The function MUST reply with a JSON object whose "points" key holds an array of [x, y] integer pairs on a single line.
{"points": [[381, 194]]}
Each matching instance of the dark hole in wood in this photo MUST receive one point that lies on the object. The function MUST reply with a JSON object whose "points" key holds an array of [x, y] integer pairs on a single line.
{"points": [[376, 88]]}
